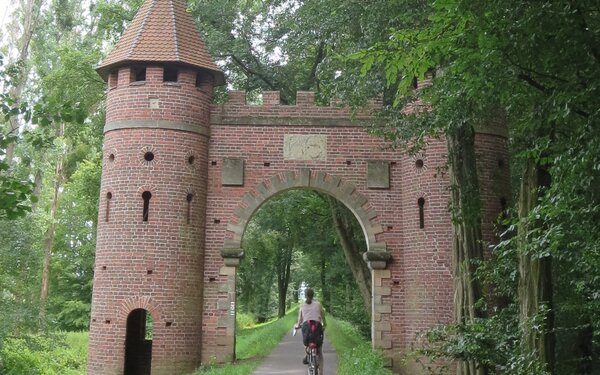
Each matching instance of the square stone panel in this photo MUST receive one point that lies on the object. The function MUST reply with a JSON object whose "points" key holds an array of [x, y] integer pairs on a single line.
{"points": [[378, 174], [232, 173]]}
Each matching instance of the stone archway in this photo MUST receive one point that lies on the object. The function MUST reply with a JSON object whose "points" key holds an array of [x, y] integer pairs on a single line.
{"points": [[376, 255]]}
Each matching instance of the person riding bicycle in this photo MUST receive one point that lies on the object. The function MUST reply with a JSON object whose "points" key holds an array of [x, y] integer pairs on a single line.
{"points": [[312, 315]]}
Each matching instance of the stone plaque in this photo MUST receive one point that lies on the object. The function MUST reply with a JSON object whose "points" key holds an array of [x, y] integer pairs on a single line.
{"points": [[154, 104], [232, 173], [304, 147], [378, 174]]}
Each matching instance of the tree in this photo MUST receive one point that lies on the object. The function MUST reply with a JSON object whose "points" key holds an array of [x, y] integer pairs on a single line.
{"points": [[29, 12], [346, 231], [539, 64]]}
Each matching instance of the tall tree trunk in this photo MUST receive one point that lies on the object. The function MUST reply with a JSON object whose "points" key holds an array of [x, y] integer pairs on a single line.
{"points": [[466, 227], [326, 298], [37, 188], [283, 277], [50, 234], [31, 12], [357, 265], [535, 272]]}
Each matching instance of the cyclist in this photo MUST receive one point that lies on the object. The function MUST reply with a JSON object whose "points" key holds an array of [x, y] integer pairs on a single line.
{"points": [[312, 310]]}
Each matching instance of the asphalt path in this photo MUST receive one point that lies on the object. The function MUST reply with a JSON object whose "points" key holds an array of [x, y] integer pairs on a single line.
{"points": [[286, 358]]}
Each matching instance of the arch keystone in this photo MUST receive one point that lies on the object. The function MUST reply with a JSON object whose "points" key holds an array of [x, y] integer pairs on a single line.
{"points": [[304, 177], [319, 181]]}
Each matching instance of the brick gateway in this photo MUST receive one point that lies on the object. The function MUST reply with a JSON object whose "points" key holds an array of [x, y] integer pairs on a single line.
{"points": [[182, 177]]}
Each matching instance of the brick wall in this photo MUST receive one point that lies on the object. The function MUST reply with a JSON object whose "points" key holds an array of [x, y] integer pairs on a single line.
{"points": [[418, 291], [190, 285], [155, 264]]}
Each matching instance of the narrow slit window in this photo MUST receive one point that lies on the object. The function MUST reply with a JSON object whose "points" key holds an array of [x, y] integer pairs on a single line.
{"points": [[421, 203], [108, 199], [170, 74], [189, 206], [146, 197]]}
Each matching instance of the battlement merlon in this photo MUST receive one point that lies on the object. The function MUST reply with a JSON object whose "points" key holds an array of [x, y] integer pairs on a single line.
{"points": [[237, 111]]}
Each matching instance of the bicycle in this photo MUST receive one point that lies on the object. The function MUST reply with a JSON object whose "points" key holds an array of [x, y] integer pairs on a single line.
{"points": [[312, 356]]}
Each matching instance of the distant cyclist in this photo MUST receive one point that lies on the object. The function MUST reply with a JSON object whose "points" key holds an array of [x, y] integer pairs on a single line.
{"points": [[311, 319]]}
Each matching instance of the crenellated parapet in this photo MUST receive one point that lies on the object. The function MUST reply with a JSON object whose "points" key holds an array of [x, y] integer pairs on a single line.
{"points": [[237, 111]]}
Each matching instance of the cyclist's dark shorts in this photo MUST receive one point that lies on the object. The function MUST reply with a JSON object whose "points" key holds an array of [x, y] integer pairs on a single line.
{"points": [[312, 331]]}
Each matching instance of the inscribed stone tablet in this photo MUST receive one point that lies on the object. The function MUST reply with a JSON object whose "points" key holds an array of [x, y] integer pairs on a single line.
{"points": [[304, 147]]}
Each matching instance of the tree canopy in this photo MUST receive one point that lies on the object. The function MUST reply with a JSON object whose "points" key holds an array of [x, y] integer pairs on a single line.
{"points": [[532, 66]]}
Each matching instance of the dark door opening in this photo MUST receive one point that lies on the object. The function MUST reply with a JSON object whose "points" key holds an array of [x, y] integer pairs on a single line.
{"points": [[138, 343]]}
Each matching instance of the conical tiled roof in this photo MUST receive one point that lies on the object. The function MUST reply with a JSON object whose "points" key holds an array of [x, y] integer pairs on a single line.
{"points": [[164, 32]]}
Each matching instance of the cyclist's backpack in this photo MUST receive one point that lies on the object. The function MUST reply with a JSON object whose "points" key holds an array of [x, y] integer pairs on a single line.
{"points": [[312, 331]]}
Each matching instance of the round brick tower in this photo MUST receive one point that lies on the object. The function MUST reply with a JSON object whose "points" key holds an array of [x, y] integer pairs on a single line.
{"points": [[147, 299]]}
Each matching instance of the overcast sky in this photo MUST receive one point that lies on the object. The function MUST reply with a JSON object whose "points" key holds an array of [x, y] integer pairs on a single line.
{"points": [[5, 5]]}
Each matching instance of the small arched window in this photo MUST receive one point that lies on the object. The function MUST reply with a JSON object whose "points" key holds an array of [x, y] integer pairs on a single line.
{"points": [[421, 203], [146, 197]]}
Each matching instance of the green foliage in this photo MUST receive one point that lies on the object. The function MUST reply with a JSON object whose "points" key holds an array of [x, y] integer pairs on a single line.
{"points": [[16, 193], [70, 303], [19, 261], [535, 67], [244, 321], [492, 342], [55, 354], [354, 352]]}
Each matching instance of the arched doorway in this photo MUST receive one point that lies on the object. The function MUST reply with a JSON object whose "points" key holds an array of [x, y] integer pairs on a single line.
{"points": [[138, 343], [298, 239], [346, 193]]}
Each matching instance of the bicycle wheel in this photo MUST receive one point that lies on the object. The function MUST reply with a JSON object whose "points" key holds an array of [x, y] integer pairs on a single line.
{"points": [[314, 364]]}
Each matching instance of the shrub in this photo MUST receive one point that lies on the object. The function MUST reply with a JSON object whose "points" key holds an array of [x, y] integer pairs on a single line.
{"points": [[244, 321], [48, 354]]}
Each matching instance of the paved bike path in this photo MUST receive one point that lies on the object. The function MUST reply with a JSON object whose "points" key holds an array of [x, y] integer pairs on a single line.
{"points": [[286, 358]]}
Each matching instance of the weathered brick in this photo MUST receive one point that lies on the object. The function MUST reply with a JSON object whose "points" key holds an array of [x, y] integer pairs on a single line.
{"points": [[189, 291]]}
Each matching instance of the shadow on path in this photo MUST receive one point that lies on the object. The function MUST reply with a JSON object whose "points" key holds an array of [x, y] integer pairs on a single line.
{"points": [[286, 358]]}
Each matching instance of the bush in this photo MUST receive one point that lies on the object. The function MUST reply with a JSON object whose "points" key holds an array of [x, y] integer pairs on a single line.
{"points": [[244, 321], [50, 354]]}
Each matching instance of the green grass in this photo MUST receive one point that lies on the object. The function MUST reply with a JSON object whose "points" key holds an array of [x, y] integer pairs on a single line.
{"points": [[253, 344], [354, 353]]}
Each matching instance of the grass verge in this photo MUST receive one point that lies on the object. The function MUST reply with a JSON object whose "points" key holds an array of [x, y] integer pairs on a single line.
{"points": [[354, 353], [253, 344]]}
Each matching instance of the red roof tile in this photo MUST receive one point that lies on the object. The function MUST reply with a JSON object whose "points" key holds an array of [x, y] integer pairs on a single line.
{"points": [[162, 31]]}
